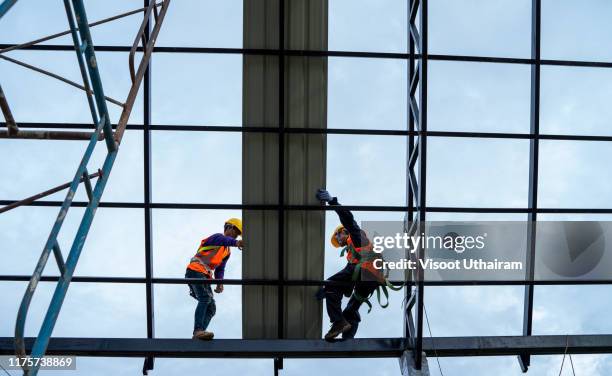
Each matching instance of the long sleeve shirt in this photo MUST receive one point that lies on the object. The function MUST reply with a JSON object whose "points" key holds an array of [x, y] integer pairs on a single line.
{"points": [[349, 223]]}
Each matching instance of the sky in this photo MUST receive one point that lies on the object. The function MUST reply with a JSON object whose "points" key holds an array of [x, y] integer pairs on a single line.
{"points": [[363, 93]]}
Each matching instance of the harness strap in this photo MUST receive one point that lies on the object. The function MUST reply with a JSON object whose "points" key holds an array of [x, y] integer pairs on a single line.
{"points": [[356, 272], [352, 252], [355, 278], [391, 286], [385, 292]]}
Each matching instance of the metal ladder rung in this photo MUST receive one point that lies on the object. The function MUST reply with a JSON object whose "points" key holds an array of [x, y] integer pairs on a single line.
{"points": [[46, 135], [57, 252], [38, 196], [84, 48], [54, 135]]}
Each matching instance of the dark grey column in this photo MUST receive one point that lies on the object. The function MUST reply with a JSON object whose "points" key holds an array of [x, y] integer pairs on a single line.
{"points": [[304, 166]]}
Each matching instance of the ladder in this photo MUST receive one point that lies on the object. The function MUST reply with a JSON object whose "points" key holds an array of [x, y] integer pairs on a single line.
{"points": [[92, 85], [5, 6]]}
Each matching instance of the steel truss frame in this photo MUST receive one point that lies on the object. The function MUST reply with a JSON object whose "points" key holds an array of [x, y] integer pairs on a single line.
{"points": [[416, 208]]}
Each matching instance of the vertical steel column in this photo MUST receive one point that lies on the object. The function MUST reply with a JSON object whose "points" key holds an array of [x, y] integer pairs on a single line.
{"points": [[420, 287], [409, 192], [303, 83], [536, 16], [417, 186], [281, 178], [146, 121]]}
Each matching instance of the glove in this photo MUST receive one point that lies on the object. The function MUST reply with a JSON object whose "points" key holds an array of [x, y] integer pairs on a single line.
{"points": [[323, 195]]}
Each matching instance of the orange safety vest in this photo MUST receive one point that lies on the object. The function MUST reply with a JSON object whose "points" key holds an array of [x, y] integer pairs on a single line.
{"points": [[364, 257], [353, 253], [208, 258]]}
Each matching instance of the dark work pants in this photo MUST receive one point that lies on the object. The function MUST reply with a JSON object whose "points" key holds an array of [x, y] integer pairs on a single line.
{"points": [[206, 307], [333, 299]]}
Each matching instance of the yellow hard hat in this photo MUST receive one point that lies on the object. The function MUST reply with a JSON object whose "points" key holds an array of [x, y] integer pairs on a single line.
{"points": [[235, 222], [334, 240]]}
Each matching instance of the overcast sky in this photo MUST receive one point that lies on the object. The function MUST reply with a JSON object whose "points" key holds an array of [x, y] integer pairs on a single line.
{"points": [[363, 93]]}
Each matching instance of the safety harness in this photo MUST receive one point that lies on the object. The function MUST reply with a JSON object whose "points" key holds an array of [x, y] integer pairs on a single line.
{"points": [[365, 260]]}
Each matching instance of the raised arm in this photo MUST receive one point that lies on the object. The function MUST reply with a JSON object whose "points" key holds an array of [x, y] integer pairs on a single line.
{"points": [[346, 217], [220, 239]]}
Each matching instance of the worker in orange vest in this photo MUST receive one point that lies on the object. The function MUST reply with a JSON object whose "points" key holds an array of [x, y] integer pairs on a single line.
{"points": [[208, 263], [359, 255]]}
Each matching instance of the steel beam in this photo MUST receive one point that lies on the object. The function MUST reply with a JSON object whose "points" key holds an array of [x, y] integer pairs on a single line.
{"points": [[280, 305], [376, 208], [296, 52], [288, 348], [345, 131], [417, 150], [149, 362], [305, 282], [536, 7], [219, 348], [410, 149]]}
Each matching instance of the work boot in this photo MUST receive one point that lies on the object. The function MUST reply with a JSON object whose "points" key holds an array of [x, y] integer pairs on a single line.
{"points": [[337, 328], [203, 334]]}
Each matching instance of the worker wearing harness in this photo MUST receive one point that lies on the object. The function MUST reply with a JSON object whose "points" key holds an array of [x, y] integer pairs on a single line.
{"points": [[209, 262], [360, 256]]}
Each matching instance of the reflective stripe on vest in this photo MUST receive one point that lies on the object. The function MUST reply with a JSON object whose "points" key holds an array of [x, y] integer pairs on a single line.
{"points": [[209, 257]]}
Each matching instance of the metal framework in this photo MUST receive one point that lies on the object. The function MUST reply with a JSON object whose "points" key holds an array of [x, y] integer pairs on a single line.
{"points": [[416, 181], [416, 208], [296, 348], [93, 87]]}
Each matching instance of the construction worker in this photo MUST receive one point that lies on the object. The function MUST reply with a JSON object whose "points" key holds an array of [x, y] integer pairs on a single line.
{"points": [[209, 262], [349, 235]]}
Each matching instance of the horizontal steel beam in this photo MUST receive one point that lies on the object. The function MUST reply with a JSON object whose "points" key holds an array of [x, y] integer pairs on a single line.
{"points": [[344, 131], [295, 348], [314, 53], [137, 205], [516, 345], [219, 348], [274, 282], [378, 208], [222, 50]]}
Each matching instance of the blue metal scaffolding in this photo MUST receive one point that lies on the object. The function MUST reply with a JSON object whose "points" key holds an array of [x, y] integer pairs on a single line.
{"points": [[93, 87]]}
